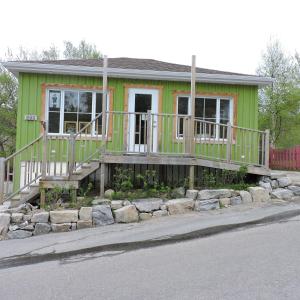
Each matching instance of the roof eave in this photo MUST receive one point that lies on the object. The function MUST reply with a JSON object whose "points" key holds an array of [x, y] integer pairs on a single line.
{"points": [[19, 67]]}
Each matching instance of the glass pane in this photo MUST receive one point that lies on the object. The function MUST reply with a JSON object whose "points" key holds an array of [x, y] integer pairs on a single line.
{"points": [[142, 102], [199, 108], [98, 103], [54, 100], [183, 105], [85, 102], [70, 123], [71, 101], [210, 110], [224, 111], [54, 122], [85, 119]]}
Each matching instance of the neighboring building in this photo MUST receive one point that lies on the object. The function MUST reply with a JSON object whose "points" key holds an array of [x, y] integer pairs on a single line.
{"points": [[148, 119]]}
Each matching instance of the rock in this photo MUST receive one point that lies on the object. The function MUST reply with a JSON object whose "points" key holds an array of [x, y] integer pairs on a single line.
{"points": [[62, 227], [4, 222], [266, 179], [284, 182], [246, 197], [234, 193], [192, 194], [17, 217], [126, 203], [116, 204], [85, 213], [81, 224], [265, 185], [282, 194], [163, 207], [259, 194], [160, 213], [127, 214], [145, 216], [213, 194], [224, 202], [27, 217], [108, 193], [180, 191], [19, 234], [295, 189], [148, 205], [5, 206], [13, 227], [102, 215], [203, 205], [180, 206], [236, 200], [100, 201], [274, 184], [41, 228], [40, 217], [28, 227], [74, 225], [63, 216]]}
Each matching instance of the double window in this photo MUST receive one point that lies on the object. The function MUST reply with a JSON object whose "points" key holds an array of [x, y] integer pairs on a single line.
{"points": [[71, 110], [208, 110]]}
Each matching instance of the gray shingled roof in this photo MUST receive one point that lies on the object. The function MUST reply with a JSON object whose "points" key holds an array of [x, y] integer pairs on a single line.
{"points": [[132, 63]]}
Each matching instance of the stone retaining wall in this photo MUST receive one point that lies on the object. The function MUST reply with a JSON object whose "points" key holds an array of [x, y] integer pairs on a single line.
{"points": [[26, 220]]}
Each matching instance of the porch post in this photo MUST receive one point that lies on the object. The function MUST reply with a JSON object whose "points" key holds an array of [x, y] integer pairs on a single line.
{"points": [[2, 178], [44, 157], [229, 142], [192, 120], [267, 148]]}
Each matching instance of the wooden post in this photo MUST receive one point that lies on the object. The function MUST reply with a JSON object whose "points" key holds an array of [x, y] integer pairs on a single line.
{"points": [[102, 180], [192, 120], [2, 179], [45, 150], [267, 148], [149, 132], [71, 154], [229, 142]]}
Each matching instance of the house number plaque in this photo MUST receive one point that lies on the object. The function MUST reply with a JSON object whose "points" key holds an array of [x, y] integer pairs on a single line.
{"points": [[30, 117]]}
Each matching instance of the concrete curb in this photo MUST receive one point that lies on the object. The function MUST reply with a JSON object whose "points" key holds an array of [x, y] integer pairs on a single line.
{"points": [[27, 259]]}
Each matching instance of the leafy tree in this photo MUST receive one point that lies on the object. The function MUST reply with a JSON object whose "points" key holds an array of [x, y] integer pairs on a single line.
{"points": [[82, 51], [279, 103]]}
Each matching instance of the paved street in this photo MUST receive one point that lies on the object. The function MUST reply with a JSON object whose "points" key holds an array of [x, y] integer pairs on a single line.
{"points": [[262, 262]]}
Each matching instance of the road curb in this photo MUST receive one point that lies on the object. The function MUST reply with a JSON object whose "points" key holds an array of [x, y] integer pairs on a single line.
{"points": [[27, 259]]}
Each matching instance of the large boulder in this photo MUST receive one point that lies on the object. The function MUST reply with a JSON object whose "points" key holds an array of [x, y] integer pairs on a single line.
{"points": [[19, 234], [274, 184], [284, 182], [210, 204], [145, 216], [214, 194], [259, 194], [295, 189], [41, 228], [63, 216], [4, 223], [40, 217], [126, 214], [192, 194], [116, 204], [148, 205], [180, 206], [282, 194], [246, 197], [102, 215], [160, 213], [224, 202], [85, 213]]}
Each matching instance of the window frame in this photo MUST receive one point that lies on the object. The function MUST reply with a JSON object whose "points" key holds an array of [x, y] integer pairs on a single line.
{"points": [[61, 112], [218, 101]]}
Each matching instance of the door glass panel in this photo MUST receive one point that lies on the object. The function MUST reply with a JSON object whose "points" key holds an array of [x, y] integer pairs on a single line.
{"points": [[224, 116], [142, 105], [183, 109], [54, 111], [98, 111]]}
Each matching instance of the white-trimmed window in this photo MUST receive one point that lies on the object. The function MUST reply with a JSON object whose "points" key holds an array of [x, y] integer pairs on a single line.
{"points": [[69, 110], [210, 109]]}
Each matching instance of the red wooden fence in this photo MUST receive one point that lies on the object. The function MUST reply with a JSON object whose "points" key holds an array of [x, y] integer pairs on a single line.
{"points": [[285, 159]]}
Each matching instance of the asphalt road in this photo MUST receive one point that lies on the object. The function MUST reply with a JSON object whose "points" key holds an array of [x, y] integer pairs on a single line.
{"points": [[256, 263]]}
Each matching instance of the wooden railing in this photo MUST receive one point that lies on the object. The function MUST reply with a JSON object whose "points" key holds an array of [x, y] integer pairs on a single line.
{"points": [[140, 133]]}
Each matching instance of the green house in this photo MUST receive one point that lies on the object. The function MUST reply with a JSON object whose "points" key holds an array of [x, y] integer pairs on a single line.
{"points": [[78, 116]]}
